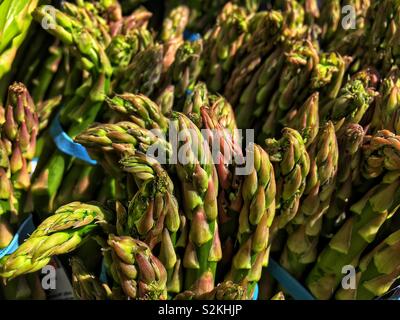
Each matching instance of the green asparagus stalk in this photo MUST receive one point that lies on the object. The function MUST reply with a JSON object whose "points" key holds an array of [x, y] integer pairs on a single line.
{"points": [[226, 290], [292, 165], [15, 21], [301, 245], [61, 233], [186, 68], [86, 286], [153, 213], [143, 74], [221, 44], [378, 204], [378, 270], [264, 33], [353, 100], [386, 113], [108, 142], [49, 68], [174, 25], [197, 99], [166, 100], [140, 110], [140, 274], [197, 174], [255, 220], [349, 173], [305, 119], [17, 148], [78, 113]]}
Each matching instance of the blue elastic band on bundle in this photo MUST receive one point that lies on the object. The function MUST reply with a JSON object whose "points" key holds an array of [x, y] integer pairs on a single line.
{"points": [[255, 294], [290, 284], [189, 36], [103, 273], [25, 229], [65, 144]]}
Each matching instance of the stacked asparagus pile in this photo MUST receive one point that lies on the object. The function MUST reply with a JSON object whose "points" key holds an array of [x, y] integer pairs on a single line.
{"points": [[171, 200]]}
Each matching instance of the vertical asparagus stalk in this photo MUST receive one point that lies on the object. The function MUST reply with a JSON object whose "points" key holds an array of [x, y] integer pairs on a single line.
{"points": [[134, 267], [349, 168], [17, 148], [264, 33], [301, 245], [386, 115], [255, 220], [186, 68], [153, 213], [221, 44], [353, 100], [370, 212], [174, 25], [378, 270], [227, 161], [305, 119], [199, 180], [292, 165]]}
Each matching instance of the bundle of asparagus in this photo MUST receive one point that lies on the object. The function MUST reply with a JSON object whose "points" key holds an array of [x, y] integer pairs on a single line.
{"points": [[187, 208]]}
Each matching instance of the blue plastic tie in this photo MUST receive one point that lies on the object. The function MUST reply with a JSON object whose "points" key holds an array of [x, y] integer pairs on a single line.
{"points": [[34, 163], [25, 229], [290, 284], [65, 144], [255, 294], [188, 92], [189, 36], [103, 272]]}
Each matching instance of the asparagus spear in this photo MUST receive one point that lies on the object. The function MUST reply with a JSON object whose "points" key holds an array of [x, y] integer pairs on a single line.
{"points": [[378, 270], [349, 169], [143, 74], [140, 110], [255, 220], [353, 100], [292, 165], [174, 25], [186, 68], [140, 274], [386, 113], [305, 119], [377, 205], [265, 32], [61, 233], [17, 148], [15, 21], [86, 285], [226, 290], [301, 245], [153, 215], [199, 180], [221, 44]]}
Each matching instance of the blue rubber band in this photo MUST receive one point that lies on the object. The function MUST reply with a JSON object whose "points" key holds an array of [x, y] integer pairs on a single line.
{"points": [[255, 293], [290, 284], [25, 229], [103, 273], [34, 163], [189, 36], [188, 92], [65, 144]]}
